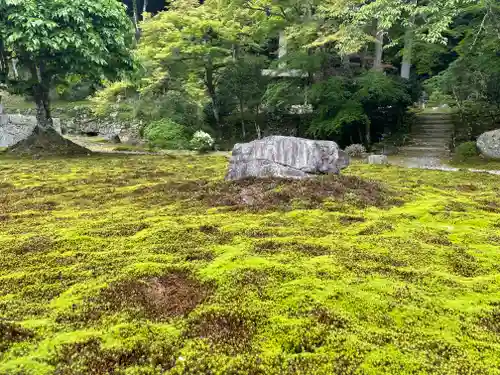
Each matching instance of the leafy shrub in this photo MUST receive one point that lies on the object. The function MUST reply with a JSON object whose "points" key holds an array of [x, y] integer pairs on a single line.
{"points": [[201, 141], [355, 150], [466, 151], [474, 118], [166, 134]]}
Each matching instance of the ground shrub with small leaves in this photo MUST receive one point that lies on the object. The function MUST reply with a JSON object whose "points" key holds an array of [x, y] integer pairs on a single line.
{"points": [[151, 264]]}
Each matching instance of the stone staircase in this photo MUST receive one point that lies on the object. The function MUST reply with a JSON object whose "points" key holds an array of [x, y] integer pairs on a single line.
{"points": [[430, 136]]}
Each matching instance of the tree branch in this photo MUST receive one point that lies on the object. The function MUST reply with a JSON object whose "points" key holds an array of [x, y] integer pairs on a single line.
{"points": [[266, 10], [480, 30]]}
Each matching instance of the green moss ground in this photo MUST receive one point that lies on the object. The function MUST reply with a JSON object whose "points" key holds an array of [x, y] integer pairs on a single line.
{"points": [[153, 265], [478, 163]]}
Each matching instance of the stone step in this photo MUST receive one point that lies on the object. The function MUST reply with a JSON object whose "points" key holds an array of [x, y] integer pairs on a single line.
{"points": [[426, 136], [432, 130], [435, 115], [428, 142], [417, 152], [433, 124], [431, 137], [434, 120], [424, 149]]}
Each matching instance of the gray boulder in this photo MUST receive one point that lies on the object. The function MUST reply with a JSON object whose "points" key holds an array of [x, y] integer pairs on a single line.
{"points": [[489, 144], [285, 157]]}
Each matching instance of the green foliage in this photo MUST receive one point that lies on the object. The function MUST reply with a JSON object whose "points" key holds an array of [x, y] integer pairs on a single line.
{"points": [[57, 39], [465, 151], [108, 99], [167, 134], [471, 83], [359, 108]]}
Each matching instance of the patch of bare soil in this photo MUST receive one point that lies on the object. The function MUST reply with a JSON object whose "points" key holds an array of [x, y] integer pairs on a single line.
{"points": [[172, 295], [272, 193], [11, 333], [229, 331], [490, 320], [90, 358], [34, 244]]}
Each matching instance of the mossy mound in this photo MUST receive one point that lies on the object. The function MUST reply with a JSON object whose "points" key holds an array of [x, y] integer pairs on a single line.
{"points": [[153, 265], [46, 143], [273, 194]]}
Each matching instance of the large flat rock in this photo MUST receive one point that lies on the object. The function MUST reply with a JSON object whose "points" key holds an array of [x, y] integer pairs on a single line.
{"points": [[15, 128], [285, 157]]}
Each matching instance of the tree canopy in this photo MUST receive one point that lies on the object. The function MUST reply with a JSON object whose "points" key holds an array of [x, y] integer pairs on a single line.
{"points": [[239, 69], [48, 40]]}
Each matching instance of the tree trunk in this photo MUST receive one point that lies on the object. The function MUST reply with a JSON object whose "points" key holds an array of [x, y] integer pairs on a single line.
{"points": [[242, 117], [42, 101], [209, 82], [346, 62], [145, 6], [282, 50], [14, 68], [256, 121], [136, 19], [360, 135], [4, 64], [368, 135], [407, 54], [379, 49]]}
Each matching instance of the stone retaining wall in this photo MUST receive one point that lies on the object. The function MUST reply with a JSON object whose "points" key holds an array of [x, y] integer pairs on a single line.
{"points": [[14, 128]]}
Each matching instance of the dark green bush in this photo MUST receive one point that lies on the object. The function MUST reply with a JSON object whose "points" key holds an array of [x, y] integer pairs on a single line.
{"points": [[466, 151], [167, 134]]}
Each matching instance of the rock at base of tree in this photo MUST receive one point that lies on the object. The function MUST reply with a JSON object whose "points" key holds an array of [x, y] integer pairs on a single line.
{"points": [[489, 144], [378, 159], [47, 142], [285, 157]]}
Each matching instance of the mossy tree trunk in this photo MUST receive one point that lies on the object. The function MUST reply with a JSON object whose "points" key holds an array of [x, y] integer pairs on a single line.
{"points": [[41, 94]]}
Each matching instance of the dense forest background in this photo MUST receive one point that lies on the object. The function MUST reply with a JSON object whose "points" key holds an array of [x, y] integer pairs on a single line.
{"points": [[346, 70]]}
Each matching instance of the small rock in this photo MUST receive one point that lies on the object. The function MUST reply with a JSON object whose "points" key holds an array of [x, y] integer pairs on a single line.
{"points": [[489, 144], [378, 159], [115, 139]]}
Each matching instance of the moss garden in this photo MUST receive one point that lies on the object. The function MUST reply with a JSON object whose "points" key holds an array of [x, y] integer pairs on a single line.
{"points": [[155, 265]]}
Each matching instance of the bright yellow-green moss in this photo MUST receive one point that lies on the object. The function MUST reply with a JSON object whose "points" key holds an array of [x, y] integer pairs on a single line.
{"points": [[134, 265]]}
